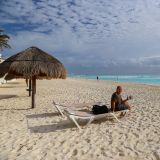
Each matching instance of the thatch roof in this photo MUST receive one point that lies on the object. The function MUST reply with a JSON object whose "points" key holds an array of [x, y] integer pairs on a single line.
{"points": [[33, 62], [9, 77]]}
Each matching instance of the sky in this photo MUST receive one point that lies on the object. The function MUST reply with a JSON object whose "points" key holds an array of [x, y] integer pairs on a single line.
{"points": [[87, 36]]}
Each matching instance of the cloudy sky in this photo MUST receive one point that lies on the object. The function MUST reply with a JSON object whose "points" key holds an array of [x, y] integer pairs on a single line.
{"points": [[88, 36]]}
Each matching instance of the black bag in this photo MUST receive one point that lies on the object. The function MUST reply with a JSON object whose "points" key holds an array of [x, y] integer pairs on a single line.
{"points": [[96, 109]]}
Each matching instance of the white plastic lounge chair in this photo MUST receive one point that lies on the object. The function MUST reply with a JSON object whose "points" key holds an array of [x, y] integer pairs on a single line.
{"points": [[74, 115], [60, 108]]}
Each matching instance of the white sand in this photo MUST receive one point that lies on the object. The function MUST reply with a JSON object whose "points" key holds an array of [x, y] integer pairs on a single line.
{"points": [[49, 136]]}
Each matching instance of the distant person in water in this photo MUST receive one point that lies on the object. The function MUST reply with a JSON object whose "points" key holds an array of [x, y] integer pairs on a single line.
{"points": [[117, 103], [97, 78]]}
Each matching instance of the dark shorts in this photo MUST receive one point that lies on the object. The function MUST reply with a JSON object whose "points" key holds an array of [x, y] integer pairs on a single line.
{"points": [[121, 107]]}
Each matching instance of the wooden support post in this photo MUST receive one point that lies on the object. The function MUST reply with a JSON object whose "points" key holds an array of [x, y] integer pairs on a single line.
{"points": [[33, 91], [35, 87], [30, 87]]}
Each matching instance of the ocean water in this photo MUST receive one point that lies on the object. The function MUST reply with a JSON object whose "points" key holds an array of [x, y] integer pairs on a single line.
{"points": [[143, 79]]}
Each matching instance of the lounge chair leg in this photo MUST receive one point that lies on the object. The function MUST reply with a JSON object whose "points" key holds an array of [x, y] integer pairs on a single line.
{"points": [[115, 117], [91, 119], [75, 122], [59, 110]]}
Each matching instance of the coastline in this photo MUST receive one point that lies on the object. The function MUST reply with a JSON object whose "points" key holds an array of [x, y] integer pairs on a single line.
{"points": [[116, 81], [41, 133]]}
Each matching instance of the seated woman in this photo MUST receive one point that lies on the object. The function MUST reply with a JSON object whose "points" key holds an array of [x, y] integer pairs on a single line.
{"points": [[117, 103]]}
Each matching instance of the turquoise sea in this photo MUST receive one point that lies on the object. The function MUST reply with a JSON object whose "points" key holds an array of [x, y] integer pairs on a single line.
{"points": [[143, 79]]}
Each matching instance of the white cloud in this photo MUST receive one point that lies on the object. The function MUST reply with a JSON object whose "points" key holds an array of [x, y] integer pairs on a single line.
{"points": [[95, 19]]}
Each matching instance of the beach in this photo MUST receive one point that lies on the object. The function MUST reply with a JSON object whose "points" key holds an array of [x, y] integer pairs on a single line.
{"points": [[42, 134]]}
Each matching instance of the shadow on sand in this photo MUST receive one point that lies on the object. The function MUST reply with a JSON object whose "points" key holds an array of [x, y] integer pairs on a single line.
{"points": [[7, 96], [42, 115], [64, 124], [12, 96]]}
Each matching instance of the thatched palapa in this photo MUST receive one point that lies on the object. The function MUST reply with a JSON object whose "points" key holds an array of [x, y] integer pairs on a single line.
{"points": [[32, 64]]}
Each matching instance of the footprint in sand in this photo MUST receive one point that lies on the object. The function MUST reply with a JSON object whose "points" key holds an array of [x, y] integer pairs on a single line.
{"points": [[88, 140], [75, 151]]}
